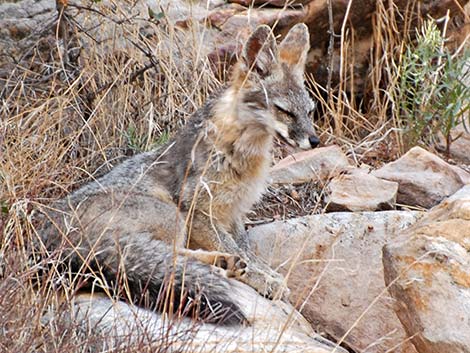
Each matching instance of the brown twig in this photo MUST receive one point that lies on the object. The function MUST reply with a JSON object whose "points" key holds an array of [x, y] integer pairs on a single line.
{"points": [[331, 44]]}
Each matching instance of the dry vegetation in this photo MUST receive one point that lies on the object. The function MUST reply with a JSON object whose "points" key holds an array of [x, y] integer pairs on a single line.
{"points": [[68, 118], [70, 115]]}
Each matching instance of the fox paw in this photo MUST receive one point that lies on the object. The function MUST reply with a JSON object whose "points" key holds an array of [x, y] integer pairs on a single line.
{"points": [[276, 288], [269, 284], [233, 265]]}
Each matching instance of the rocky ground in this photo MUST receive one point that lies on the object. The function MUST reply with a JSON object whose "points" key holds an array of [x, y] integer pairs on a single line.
{"points": [[407, 220]]}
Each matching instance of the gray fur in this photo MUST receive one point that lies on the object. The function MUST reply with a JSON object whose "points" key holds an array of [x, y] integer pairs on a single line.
{"points": [[195, 190]]}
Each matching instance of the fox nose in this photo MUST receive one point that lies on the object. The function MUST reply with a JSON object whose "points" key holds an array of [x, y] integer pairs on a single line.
{"points": [[314, 141]]}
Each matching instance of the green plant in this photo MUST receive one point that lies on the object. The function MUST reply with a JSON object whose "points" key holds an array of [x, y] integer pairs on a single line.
{"points": [[139, 143], [162, 139], [4, 208], [135, 141], [433, 95]]}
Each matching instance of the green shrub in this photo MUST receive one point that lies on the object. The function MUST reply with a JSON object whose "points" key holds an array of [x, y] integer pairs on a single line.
{"points": [[433, 93]]}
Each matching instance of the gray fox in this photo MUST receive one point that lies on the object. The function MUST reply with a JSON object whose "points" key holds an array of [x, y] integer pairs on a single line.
{"points": [[165, 228]]}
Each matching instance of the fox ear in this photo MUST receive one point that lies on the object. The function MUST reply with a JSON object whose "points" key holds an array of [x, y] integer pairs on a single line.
{"points": [[260, 51], [294, 48]]}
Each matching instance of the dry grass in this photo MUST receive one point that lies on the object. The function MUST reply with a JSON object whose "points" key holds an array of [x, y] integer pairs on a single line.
{"points": [[70, 115], [283, 202], [68, 118]]}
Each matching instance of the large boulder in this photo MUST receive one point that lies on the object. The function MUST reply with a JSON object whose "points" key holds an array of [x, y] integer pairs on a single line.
{"points": [[424, 179], [333, 263], [427, 270]]}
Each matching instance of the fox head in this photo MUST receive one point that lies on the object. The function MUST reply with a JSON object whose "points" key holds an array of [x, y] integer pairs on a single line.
{"points": [[272, 77]]}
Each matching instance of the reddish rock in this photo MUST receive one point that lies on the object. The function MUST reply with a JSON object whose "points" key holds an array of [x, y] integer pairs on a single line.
{"points": [[424, 179], [427, 271], [317, 164], [359, 191]]}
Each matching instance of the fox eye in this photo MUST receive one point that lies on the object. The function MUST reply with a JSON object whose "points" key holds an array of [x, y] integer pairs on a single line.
{"points": [[286, 112]]}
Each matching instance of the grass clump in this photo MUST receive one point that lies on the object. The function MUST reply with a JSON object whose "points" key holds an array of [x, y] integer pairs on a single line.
{"points": [[138, 142]]}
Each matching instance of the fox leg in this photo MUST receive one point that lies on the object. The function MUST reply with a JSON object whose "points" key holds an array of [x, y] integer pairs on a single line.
{"points": [[274, 283], [210, 236], [233, 265]]}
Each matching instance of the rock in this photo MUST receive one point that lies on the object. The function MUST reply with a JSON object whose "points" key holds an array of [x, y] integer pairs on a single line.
{"points": [[334, 267], [275, 326], [424, 179], [360, 191], [463, 174], [24, 23], [20, 19], [427, 271], [460, 146], [317, 164], [235, 23]]}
